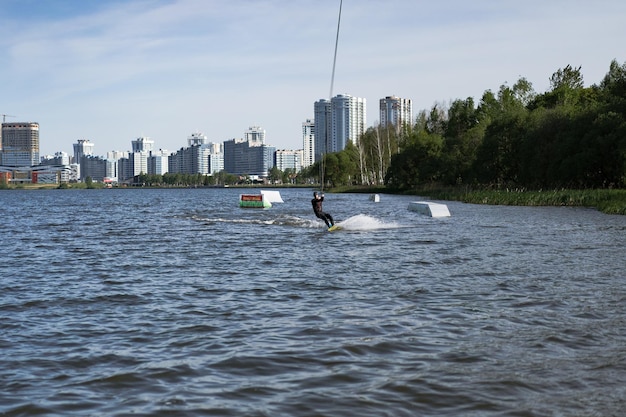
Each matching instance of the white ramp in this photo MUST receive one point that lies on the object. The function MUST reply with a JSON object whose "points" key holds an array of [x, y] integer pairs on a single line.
{"points": [[272, 196], [429, 209]]}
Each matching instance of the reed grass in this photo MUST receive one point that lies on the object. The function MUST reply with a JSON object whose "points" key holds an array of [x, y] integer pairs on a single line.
{"points": [[610, 201]]}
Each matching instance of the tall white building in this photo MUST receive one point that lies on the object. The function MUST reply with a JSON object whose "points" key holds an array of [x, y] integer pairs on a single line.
{"points": [[199, 157], [215, 147], [197, 139], [308, 143], [348, 120], [142, 148], [158, 162], [249, 156], [338, 122], [255, 136], [111, 170], [216, 163], [117, 155], [113, 164], [83, 147], [216, 157], [59, 158], [139, 162], [143, 144], [288, 159], [396, 111]]}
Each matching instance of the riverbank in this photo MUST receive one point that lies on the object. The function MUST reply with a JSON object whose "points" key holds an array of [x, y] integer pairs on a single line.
{"points": [[607, 201]]}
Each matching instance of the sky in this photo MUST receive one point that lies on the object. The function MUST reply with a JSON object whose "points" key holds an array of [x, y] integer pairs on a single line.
{"points": [[111, 71]]}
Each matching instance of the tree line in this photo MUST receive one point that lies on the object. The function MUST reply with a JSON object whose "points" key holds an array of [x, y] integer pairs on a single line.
{"points": [[185, 180], [571, 136], [217, 179]]}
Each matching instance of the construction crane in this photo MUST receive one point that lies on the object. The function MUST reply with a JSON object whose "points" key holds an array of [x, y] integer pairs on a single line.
{"points": [[4, 117]]}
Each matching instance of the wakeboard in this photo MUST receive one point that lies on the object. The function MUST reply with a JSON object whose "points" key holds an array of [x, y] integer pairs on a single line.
{"points": [[333, 228]]}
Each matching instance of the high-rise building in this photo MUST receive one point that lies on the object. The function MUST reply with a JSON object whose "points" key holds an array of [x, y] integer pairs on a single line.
{"points": [[321, 128], [190, 160], [124, 168], [139, 162], [249, 156], [200, 157], [20, 144], [59, 158], [94, 167], [308, 143], [142, 148], [117, 155], [143, 144], [118, 166], [255, 136], [396, 111], [348, 120], [82, 148], [158, 162], [215, 148], [288, 159], [338, 122], [243, 158], [216, 157], [111, 171], [216, 163], [197, 139]]}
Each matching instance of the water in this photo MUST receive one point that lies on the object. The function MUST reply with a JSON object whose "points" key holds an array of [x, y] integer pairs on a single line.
{"points": [[177, 302]]}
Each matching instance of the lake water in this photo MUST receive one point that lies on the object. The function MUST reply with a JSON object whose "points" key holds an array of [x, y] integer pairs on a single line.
{"points": [[152, 302]]}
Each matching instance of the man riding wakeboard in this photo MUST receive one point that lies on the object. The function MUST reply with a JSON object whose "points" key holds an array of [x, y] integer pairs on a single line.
{"points": [[317, 209]]}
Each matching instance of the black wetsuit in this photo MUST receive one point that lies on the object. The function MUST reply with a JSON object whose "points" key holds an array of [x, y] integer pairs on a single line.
{"points": [[317, 209]]}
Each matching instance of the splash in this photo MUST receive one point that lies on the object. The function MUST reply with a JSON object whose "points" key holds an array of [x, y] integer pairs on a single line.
{"points": [[364, 222], [360, 222]]}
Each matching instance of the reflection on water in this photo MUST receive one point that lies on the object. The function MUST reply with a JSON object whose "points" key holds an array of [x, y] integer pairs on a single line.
{"points": [[152, 302]]}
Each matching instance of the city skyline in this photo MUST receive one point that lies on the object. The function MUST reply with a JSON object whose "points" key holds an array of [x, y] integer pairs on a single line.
{"points": [[113, 71], [346, 109]]}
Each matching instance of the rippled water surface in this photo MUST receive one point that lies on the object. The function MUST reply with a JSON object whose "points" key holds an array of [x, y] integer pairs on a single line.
{"points": [[178, 302]]}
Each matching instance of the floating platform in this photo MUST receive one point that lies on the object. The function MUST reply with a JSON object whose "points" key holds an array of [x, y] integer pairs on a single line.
{"points": [[253, 201], [429, 209]]}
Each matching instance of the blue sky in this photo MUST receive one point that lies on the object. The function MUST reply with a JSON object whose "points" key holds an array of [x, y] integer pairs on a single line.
{"points": [[112, 71]]}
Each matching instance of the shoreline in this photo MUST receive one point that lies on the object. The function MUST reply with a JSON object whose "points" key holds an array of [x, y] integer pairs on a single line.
{"points": [[609, 201]]}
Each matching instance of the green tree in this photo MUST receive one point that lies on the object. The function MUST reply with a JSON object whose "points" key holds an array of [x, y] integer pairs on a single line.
{"points": [[524, 92], [377, 145], [497, 160], [461, 140], [568, 77], [569, 136], [566, 87], [613, 93], [275, 174], [289, 176], [419, 160]]}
